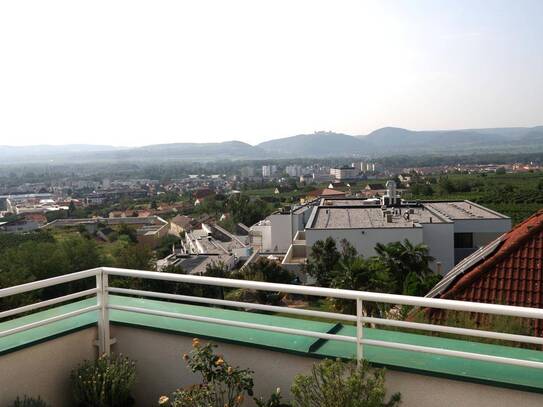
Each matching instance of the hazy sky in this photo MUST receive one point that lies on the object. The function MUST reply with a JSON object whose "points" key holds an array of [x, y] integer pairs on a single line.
{"points": [[143, 72]]}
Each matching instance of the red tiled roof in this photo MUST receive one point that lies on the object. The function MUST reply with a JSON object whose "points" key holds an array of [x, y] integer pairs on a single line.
{"points": [[326, 192], [512, 275]]}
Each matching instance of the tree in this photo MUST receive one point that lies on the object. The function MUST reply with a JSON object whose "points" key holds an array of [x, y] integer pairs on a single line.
{"points": [[129, 232], [263, 270], [268, 271], [445, 186], [357, 273], [71, 208], [135, 257], [322, 261], [245, 210], [407, 263]]}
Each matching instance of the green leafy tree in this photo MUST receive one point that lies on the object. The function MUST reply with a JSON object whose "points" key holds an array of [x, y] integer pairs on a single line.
{"points": [[322, 261], [357, 273], [246, 210], [131, 256], [445, 186], [262, 270], [408, 266]]}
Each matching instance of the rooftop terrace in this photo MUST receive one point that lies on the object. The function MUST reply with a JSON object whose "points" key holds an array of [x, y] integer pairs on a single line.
{"points": [[461, 210], [371, 217], [301, 333]]}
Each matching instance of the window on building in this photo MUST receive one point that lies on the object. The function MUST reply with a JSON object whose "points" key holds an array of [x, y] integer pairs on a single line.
{"points": [[463, 240]]}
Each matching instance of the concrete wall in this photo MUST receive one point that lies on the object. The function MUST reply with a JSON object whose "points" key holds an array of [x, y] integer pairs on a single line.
{"points": [[162, 370], [364, 240], [440, 240], [44, 369], [496, 226], [281, 233], [482, 239]]}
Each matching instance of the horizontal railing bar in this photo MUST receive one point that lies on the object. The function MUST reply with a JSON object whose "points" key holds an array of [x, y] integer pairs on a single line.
{"points": [[47, 303], [385, 344], [237, 324], [336, 316], [455, 305], [237, 304], [35, 285], [454, 353], [48, 320], [455, 330]]}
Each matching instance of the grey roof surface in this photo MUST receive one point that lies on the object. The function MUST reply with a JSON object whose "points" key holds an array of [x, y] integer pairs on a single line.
{"points": [[462, 210], [369, 217]]}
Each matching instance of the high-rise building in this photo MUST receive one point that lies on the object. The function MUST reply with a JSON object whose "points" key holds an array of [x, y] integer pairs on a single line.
{"points": [[269, 170]]}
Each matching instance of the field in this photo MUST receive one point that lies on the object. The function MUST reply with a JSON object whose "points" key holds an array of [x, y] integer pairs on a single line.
{"points": [[517, 195]]}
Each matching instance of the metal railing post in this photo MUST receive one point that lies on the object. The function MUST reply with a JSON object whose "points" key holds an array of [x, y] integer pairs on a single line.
{"points": [[359, 331], [103, 314]]}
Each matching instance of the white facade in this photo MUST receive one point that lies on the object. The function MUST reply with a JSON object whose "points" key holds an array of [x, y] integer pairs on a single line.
{"points": [[269, 170], [344, 173], [451, 230], [293, 170]]}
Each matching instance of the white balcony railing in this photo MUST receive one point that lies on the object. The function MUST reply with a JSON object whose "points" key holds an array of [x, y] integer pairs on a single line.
{"points": [[102, 290]]}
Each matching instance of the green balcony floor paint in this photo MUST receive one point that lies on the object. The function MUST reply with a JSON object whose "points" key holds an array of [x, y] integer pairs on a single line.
{"points": [[16, 341], [456, 368]]}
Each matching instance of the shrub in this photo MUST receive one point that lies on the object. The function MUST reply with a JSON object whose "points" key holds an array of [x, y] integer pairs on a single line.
{"points": [[338, 384], [105, 382], [29, 402], [222, 384], [273, 401]]}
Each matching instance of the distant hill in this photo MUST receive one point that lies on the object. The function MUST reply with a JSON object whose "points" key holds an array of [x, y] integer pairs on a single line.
{"points": [[381, 142], [182, 151], [225, 150], [319, 144], [392, 140], [50, 150]]}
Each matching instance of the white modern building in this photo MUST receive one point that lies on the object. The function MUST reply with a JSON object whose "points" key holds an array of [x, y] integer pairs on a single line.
{"points": [[269, 170], [452, 230], [344, 173], [293, 170]]}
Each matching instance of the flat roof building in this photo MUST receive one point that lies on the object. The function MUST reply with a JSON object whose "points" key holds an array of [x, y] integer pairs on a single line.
{"points": [[452, 230]]}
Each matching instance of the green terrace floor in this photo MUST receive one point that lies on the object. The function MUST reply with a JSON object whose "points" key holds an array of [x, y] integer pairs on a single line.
{"points": [[530, 379]]}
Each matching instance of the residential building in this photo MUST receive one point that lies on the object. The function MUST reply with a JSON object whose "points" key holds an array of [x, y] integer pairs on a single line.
{"points": [[20, 225], [269, 170], [344, 173], [293, 170], [181, 224], [211, 244], [452, 230], [149, 230]]}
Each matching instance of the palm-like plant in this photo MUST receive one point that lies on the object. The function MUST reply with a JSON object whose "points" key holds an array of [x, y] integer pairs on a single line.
{"points": [[358, 273], [408, 265]]}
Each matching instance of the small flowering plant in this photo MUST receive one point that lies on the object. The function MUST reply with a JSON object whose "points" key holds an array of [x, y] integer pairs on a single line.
{"points": [[222, 385], [105, 382]]}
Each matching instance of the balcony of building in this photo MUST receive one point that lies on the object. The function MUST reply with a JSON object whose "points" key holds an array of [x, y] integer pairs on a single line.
{"points": [[42, 342]]}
